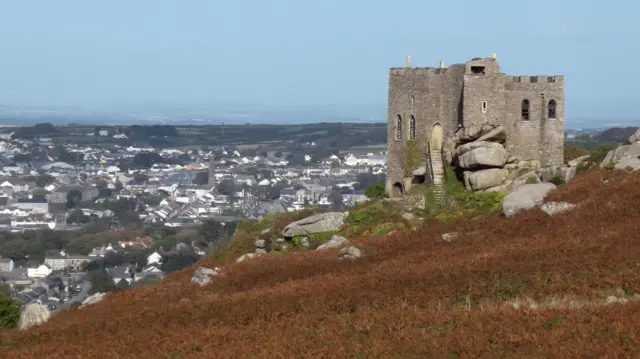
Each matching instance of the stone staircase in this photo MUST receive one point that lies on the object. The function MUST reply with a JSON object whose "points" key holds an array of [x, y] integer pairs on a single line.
{"points": [[439, 188]]}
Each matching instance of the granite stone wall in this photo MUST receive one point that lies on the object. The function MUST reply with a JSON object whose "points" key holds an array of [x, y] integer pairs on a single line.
{"points": [[472, 94]]}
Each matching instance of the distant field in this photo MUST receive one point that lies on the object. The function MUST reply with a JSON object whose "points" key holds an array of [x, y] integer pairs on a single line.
{"points": [[340, 135]]}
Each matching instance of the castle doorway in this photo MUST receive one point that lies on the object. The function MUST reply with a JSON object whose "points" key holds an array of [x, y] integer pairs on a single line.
{"points": [[396, 190], [436, 137]]}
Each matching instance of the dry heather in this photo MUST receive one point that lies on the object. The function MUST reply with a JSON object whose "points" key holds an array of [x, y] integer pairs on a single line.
{"points": [[530, 286]]}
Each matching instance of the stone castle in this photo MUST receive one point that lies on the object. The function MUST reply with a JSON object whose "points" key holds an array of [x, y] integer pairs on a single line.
{"points": [[434, 111]]}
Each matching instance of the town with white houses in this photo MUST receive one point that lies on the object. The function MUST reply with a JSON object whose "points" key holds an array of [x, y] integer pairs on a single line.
{"points": [[54, 187]]}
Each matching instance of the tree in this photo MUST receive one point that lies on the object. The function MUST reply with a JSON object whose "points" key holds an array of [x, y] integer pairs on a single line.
{"points": [[376, 191], [44, 180], [73, 197], [77, 216], [122, 284], [140, 178], [146, 159], [201, 178], [335, 164], [336, 199], [366, 179], [178, 261], [226, 187], [212, 233], [598, 155], [9, 311], [101, 281]]}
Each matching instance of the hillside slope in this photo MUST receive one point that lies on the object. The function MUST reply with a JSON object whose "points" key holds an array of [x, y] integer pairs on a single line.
{"points": [[528, 286]]}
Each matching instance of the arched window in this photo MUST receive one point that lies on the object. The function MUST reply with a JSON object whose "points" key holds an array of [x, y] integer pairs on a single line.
{"points": [[484, 106], [413, 101], [525, 109], [552, 109], [412, 128], [398, 127]]}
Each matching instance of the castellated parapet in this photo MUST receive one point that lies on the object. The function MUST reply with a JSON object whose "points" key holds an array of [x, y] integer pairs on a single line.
{"points": [[428, 106]]}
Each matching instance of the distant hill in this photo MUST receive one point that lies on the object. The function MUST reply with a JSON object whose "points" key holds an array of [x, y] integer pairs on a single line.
{"points": [[593, 139], [616, 134]]}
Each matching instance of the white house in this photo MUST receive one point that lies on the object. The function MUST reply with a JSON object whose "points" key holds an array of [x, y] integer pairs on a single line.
{"points": [[40, 272], [351, 160], [154, 258]]}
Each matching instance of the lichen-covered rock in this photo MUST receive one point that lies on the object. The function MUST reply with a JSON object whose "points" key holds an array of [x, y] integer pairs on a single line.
{"points": [[92, 299], [350, 252], [525, 197], [576, 161], [246, 256], [34, 314], [484, 179], [496, 134], [493, 155], [318, 223], [334, 242], [632, 163], [449, 237], [622, 153], [553, 208], [203, 276]]}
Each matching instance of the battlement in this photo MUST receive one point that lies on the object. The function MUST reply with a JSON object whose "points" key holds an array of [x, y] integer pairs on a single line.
{"points": [[416, 71], [535, 79]]}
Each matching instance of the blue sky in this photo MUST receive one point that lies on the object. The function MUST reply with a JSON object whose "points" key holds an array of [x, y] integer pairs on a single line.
{"points": [[299, 53]]}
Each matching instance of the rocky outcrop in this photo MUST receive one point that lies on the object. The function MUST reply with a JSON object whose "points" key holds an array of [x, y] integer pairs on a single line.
{"points": [[488, 167], [203, 276], [481, 154], [553, 208], [318, 223], [34, 314], [525, 197], [350, 253], [635, 137], [624, 156], [93, 299], [334, 242], [449, 237], [484, 179]]}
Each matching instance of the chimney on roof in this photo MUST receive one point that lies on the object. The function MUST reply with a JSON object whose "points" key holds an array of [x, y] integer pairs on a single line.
{"points": [[409, 61], [441, 64], [494, 56]]}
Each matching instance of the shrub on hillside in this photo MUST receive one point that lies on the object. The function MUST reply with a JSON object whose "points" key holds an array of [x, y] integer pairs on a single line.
{"points": [[572, 151], [557, 180], [375, 191], [9, 311], [600, 153]]}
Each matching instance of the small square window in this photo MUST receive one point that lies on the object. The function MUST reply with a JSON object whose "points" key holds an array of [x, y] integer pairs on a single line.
{"points": [[484, 106]]}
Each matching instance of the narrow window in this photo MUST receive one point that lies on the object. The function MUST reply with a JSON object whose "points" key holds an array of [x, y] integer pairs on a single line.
{"points": [[484, 106], [552, 109], [525, 109], [477, 70], [413, 101], [398, 128], [412, 128]]}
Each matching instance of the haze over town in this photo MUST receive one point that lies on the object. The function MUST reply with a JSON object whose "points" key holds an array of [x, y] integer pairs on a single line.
{"points": [[291, 62]]}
